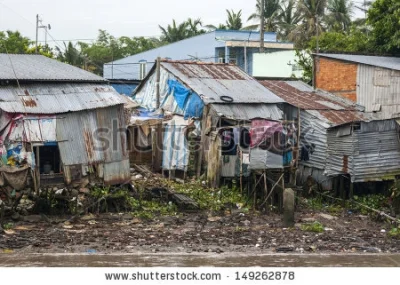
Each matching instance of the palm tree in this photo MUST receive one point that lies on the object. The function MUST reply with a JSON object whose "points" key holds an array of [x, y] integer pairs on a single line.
{"points": [[174, 32], [288, 19], [312, 13], [193, 27], [70, 55], [271, 11], [234, 21], [339, 17]]}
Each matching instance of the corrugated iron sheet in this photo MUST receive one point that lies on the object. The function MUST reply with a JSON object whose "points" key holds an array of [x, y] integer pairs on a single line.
{"points": [[379, 95], [371, 153], [117, 172], [314, 132], [212, 81], [91, 137], [380, 61], [40, 68], [57, 98], [330, 108], [248, 111]]}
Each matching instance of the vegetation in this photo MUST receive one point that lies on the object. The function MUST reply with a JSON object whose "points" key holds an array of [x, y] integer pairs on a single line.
{"points": [[326, 24], [394, 232], [315, 227]]}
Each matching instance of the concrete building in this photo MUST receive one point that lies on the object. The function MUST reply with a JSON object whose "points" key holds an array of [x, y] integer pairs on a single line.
{"points": [[221, 46]]}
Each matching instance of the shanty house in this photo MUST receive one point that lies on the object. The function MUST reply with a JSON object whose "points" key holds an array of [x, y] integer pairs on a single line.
{"points": [[338, 138], [370, 81], [59, 125], [213, 102]]}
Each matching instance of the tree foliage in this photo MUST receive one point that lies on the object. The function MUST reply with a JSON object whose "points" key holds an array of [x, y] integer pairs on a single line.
{"points": [[13, 42], [384, 17], [177, 32]]}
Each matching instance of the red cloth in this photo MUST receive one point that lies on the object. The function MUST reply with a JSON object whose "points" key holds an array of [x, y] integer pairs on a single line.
{"points": [[262, 130]]}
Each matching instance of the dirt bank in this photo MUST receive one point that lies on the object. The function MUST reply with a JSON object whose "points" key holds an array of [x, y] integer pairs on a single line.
{"points": [[197, 232]]}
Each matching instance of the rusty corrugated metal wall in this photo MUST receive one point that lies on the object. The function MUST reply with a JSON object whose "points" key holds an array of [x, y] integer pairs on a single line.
{"points": [[369, 153], [95, 137]]}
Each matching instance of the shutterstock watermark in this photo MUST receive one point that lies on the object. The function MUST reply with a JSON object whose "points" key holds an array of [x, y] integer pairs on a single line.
{"points": [[142, 139]]}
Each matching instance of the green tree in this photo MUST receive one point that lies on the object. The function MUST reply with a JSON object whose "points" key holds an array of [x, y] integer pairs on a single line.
{"points": [[105, 49], [384, 18], [194, 27], [271, 10], [288, 19], [13, 42], [70, 55], [312, 13], [234, 21], [339, 14], [173, 33], [352, 41]]}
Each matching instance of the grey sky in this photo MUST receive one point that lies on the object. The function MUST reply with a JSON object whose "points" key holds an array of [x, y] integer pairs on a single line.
{"points": [[81, 19]]}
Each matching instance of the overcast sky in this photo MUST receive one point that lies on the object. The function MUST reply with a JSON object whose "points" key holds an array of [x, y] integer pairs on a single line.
{"points": [[81, 19]]}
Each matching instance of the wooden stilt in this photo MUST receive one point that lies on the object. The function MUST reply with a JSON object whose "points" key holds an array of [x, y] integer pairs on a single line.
{"points": [[342, 192]]}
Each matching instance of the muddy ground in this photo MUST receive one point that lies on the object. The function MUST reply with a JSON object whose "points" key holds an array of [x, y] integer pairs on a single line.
{"points": [[197, 232]]}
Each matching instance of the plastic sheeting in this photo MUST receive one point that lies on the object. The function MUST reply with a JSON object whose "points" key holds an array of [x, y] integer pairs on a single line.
{"points": [[264, 159], [194, 107], [180, 92], [262, 130], [189, 102], [176, 150]]}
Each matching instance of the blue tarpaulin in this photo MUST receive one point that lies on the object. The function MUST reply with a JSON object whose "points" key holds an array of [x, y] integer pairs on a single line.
{"points": [[194, 107], [190, 102], [180, 92]]}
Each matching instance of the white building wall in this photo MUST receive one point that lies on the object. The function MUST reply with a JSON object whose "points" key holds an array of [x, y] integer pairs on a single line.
{"points": [[280, 64]]}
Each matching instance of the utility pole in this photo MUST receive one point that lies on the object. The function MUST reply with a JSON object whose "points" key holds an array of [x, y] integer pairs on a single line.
{"points": [[40, 26], [37, 32], [262, 26]]}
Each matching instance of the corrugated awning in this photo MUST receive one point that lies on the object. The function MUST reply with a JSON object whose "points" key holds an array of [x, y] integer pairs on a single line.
{"points": [[248, 111]]}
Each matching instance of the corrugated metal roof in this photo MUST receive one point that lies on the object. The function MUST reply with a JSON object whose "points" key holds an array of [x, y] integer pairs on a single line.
{"points": [[331, 109], [248, 111], [212, 81], [57, 98], [380, 61], [40, 68], [301, 95]]}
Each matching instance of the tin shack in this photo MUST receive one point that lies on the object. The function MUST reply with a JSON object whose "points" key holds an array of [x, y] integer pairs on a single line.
{"points": [[341, 145], [59, 125], [210, 108]]}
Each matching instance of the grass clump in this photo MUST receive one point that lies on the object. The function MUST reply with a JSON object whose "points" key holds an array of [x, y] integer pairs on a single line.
{"points": [[394, 233], [315, 227]]}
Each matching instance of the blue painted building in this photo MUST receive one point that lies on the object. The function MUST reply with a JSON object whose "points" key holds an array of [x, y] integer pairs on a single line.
{"points": [[224, 46]]}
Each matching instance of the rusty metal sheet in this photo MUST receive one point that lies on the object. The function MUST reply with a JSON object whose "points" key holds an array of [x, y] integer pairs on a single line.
{"points": [[211, 81], [301, 95], [92, 136], [57, 98]]}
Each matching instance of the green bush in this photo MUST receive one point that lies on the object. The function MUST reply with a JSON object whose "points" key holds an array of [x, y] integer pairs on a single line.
{"points": [[315, 227]]}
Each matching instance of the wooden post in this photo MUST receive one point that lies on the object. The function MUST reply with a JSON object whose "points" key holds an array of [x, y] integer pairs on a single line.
{"points": [[351, 192], [202, 140], [265, 185], [283, 189], [158, 76], [342, 192]]}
